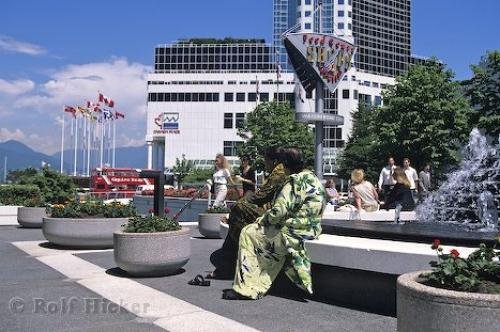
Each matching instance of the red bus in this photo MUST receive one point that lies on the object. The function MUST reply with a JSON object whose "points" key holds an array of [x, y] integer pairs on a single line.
{"points": [[116, 182]]}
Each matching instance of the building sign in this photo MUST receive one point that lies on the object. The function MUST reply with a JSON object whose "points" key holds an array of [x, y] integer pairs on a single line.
{"points": [[317, 56], [326, 118], [168, 123]]}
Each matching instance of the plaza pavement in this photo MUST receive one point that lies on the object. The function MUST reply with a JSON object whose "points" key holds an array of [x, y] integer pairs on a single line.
{"points": [[47, 289]]}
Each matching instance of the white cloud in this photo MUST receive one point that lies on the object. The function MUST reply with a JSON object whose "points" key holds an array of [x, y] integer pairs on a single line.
{"points": [[7, 135], [39, 110], [9, 44], [16, 87]]}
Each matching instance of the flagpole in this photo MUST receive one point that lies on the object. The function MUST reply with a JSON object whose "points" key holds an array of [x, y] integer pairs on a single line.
{"points": [[62, 144], [114, 143], [89, 128], [84, 141], [76, 146], [102, 141]]}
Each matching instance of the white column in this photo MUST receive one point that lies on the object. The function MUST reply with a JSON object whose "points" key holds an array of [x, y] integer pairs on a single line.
{"points": [[150, 154]]}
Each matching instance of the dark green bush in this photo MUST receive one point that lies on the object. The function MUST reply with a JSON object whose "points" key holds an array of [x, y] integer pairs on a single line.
{"points": [[92, 209], [25, 195], [56, 188], [151, 224]]}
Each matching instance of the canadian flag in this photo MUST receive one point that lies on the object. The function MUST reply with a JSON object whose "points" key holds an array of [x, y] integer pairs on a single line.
{"points": [[106, 100], [119, 115]]}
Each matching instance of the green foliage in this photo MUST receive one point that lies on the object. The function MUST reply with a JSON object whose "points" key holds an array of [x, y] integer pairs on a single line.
{"points": [[91, 208], [56, 188], [198, 176], [483, 91], [23, 195], [181, 169], [480, 272], [361, 147], [273, 124], [151, 224], [15, 175], [218, 209], [424, 118]]}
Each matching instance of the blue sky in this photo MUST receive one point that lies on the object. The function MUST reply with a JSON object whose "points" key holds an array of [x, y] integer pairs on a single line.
{"points": [[55, 52]]}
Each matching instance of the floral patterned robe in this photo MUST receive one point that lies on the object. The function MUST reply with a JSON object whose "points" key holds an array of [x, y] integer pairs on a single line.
{"points": [[276, 240]]}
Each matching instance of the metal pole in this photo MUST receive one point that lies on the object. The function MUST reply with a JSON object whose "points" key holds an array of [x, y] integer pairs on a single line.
{"points": [[159, 194], [62, 145], [88, 146], [114, 143], [5, 169], [319, 132], [76, 146], [102, 142]]}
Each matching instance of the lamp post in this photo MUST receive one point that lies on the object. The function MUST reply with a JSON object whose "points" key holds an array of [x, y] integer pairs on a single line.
{"points": [[159, 194]]}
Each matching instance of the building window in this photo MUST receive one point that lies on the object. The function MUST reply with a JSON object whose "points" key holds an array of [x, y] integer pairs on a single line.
{"points": [[307, 2], [240, 96], [345, 94], [228, 96], [264, 96], [341, 13], [228, 120], [230, 148], [240, 119], [307, 26], [378, 100], [307, 13], [355, 94], [252, 96], [340, 26], [341, 2]]}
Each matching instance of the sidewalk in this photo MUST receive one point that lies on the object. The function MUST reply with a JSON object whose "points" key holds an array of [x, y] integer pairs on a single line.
{"points": [[61, 290]]}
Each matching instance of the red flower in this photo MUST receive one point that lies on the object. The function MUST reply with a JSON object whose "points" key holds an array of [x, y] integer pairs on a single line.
{"points": [[166, 210], [151, 211], [435, 244], [454, 253]]}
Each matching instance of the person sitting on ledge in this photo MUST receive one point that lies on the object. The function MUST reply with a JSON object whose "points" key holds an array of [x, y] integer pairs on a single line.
{"points": [[401, 193], [245, 211], [276, 240], [365, 194]]}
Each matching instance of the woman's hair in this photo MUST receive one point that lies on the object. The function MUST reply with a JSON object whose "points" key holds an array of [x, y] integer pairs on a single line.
{"points": [[225, 163], [293, 159], [273, 153], [400, 176], [329, 183], [357, 176]]}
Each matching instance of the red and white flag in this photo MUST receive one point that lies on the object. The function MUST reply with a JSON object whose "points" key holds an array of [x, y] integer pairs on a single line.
{"points": [[106, 100], [119, 115], [71, 110]]}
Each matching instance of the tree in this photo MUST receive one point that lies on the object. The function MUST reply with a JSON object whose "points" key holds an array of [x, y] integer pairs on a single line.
{"points": [[273, 124], [424, 118], [484, 93], [360, 150], [56, 188], [181, 169]]}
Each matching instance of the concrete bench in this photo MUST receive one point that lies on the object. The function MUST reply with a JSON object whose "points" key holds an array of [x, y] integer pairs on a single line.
{"points": [[362, 272], [8, 215], [380, 215]]}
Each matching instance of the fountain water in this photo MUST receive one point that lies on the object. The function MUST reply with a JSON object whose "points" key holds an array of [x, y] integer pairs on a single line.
{"points": [[470, 194]]}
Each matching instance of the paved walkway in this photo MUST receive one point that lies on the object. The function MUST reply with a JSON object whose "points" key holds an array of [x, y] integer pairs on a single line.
{"points": [[48, 289]]}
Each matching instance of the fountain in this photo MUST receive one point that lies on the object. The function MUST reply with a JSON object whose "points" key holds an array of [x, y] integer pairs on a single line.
{"points": [[463, 211]]}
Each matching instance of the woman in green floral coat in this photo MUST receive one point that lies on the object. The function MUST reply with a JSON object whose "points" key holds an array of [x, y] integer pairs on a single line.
{"points": [[276, 240]]}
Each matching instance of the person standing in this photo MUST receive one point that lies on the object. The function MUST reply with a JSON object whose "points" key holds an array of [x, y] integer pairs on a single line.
{"points": [[400, 194], [221, 178], [386, 181], [424, 181], [247, 175], [412, 176]]}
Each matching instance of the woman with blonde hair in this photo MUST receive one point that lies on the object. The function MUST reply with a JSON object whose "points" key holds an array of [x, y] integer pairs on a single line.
{"points": [[221, 178], [401, 193], [365, 194]]}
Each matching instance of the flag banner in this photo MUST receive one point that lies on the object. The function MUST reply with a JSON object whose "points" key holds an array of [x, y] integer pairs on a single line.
{"points": [[119, 115], [107, 114], [106, 100], [71, 110], [317, 56]]}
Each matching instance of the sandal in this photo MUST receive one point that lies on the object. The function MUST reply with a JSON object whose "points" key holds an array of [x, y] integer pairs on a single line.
{"points": [[199, 281]]}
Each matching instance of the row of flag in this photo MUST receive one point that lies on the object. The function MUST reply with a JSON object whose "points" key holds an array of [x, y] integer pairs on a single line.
{"points": [[101, 110]]}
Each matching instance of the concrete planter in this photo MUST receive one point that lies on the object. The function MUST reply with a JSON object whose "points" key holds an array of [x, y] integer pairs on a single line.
{"points": [[152, 254], [96, 233], [209, 224], [31, 217], [424, 308]]}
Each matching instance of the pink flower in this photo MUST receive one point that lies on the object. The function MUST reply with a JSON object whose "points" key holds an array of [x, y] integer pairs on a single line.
{"points": [[166, 210], [435, 244], [454, 253]]}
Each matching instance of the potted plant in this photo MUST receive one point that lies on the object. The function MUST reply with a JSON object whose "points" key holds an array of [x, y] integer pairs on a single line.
{"points": [[459, 294], [31, 214], [209, 223], [151, 246], [87, 225]]}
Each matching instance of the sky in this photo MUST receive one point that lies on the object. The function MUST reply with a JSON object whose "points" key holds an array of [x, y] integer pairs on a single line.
{"points": [[55, 53]]}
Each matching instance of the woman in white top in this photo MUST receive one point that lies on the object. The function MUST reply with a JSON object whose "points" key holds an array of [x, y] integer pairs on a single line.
{"points": [[221, 178], [365, 194]]}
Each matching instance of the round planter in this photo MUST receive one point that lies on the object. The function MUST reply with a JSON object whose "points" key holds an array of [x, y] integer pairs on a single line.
{"points": [[424, 308], [31, 217], [209, 224], [94, 233], [152, 254], [224, 229]]}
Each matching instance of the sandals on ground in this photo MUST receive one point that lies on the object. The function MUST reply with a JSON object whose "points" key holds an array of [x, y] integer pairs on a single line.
{"points": [[199, 281]]}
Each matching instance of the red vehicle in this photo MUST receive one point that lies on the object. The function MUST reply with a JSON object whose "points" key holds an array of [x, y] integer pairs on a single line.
{"points": [[116, 182]]}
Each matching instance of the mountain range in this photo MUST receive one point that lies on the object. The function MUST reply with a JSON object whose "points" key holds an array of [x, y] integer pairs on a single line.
{"points": [[20, 156]]}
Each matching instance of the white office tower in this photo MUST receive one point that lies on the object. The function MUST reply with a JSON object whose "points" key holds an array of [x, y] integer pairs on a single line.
{"points": [[199, 94], [380, 30]]}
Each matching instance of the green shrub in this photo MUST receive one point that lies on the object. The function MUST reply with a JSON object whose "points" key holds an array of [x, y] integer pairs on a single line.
{"points": [[92, 209], [218, 209], [25, 195], [56, 188], [151, 224]]}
